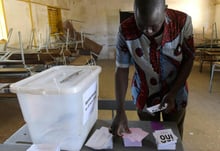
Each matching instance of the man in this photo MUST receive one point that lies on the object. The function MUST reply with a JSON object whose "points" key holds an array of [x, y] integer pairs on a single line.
{"points": [[159, 42]]}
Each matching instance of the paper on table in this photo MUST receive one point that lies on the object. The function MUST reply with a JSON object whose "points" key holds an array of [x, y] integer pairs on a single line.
{"points": [[137, 134], [165, 139], [43, 147], [129, 143], [100, 139], [135, 137]]}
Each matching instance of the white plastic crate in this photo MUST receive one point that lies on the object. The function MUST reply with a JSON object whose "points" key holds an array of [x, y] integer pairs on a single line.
{"points": [[59, 105]]}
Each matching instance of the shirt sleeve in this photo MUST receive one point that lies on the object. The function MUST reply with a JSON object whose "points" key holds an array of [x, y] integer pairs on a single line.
{"points": [[188, 36], [123, 57], [188, 28]]}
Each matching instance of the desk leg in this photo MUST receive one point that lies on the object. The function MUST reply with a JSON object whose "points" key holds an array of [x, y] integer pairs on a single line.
{"points": [[201, 64]]}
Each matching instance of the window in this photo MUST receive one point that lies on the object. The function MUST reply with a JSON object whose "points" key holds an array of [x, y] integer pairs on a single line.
{"points": [[54, 15]]}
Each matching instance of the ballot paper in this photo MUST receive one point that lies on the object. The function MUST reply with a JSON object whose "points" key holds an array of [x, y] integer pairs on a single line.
{"points": [[100, 139], [129, 143], [43, 147], [165, 139], [156, 108], [134, 139]]}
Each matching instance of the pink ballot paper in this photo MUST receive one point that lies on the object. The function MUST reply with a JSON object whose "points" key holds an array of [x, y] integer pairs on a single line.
{"points": [[134, 138]]}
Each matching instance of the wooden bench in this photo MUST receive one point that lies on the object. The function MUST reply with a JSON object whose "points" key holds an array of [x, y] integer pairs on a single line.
{"points": [[5, 92], [10, 75], [35, 57], [11, 62], [81, 60], [13, 70]]}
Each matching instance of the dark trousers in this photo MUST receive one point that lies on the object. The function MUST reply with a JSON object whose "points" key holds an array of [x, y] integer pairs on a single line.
{"points": [[176, 116]]}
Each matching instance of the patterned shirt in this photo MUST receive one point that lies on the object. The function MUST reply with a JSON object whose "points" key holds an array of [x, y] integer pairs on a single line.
{"points": [[156, 65]]}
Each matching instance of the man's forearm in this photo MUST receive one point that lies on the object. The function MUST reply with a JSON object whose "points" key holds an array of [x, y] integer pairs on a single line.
{"points": [[121, 84]]}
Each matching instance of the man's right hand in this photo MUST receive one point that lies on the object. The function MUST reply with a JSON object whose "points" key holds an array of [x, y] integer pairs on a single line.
{"points": [[120, 124]]}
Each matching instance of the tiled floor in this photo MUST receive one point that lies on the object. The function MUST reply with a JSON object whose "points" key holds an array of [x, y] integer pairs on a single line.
{"points": [[202, 124]]}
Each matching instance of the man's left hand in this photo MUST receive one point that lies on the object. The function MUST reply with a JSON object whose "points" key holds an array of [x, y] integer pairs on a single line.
{"points": [[170, 100]]}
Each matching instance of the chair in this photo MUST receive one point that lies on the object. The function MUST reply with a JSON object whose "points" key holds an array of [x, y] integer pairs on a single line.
{"points": [[9, 37], [215, 67]]}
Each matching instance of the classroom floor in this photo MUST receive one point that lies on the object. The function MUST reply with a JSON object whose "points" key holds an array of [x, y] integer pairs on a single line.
{"points": [[202, 123]]}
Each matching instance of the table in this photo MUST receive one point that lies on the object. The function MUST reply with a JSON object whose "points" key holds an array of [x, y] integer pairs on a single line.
{"points": [[209, 56], [213, 53], [214, 57], [20, 140]]}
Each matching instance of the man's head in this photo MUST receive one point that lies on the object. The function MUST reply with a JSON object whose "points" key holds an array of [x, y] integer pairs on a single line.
{"points": [[149, 16]]}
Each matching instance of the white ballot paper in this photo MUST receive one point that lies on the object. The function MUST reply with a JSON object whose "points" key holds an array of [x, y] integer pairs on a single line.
{"points": [[100, 139], [43, 147], [155, 108], [165, 139]]}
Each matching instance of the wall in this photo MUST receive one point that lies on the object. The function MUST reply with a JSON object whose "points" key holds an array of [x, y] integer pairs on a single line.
{"points": [[55, 3], [202, 13], [17, 17], [99, 19], [217, 16]]}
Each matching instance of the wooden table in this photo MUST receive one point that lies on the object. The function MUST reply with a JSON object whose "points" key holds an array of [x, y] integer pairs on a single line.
{"points": [[209, 56], [21, 140], [214, 55]]}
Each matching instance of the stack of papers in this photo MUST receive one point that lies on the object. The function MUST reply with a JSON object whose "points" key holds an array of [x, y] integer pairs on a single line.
{"points": [[100, 139], [44, 147], [165, 139], [134, 139]]}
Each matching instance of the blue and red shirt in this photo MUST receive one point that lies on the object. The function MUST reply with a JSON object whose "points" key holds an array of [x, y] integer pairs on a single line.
{"points": [[156, 65]]}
